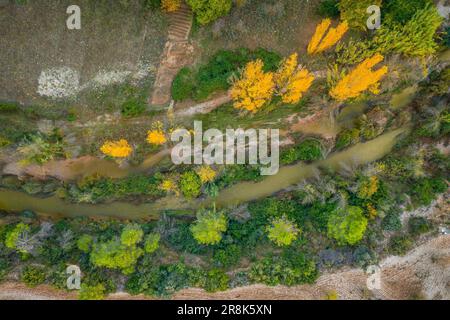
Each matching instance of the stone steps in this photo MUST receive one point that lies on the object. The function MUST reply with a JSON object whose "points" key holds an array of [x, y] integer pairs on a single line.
{"points": [[176, 55]]}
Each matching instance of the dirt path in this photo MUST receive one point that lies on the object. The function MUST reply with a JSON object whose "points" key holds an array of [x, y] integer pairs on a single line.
{"points": [[178, 52], [424, 272]]}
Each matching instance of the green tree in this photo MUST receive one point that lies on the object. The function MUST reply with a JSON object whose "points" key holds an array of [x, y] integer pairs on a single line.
{"points": [[282, 231], [209, 227], [401, 11], [131, 235], [84, 243], [88, 292], [207, 11], [414, 38], [114, 255], [152, 242], [190, 184], [347, 226], [11, 237]]}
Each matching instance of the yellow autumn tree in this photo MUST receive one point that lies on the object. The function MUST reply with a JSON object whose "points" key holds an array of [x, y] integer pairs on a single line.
{"points": [[362, 78], [170, 5], [117, 149], [206, 174], [170, 186], [322, 40], [292, 80], [156, 135], [254, 89]]}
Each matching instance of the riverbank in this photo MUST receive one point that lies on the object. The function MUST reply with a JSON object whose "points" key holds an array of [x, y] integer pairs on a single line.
{"points": [[362, 153]]}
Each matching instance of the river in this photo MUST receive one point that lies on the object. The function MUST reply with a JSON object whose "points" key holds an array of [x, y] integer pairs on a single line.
{"points": [[359, 154]]}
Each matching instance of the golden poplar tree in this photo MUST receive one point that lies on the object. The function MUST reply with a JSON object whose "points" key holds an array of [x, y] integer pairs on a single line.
{"points": [[170, 5], [362, 78], [322, 40], [156, 135], [292, 80], [117, 149], [254, 89]]}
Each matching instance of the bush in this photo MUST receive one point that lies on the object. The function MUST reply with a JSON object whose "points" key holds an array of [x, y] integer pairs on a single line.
{"points": [[88, 292], [227, 257], [133, 108], [216, 280], [183, 240], [418, 226], [401, 11], [392, 222], [190, 184], [400, 244], [328, 9], [207, 11], [152, 4], [152, 242], [84, 243], [95, 189], [33, 276], [183, 85], [308, 150], [347, 137], [291, 269], [424, 191]]}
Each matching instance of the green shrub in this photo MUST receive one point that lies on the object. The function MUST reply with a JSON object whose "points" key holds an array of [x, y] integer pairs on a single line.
{"points": [[8, 107], [447, 37], [227, 256], [418, 226], [4, 142], [88, 292], [401, 11], [216, 280], [190, 184], [289, 270], [152, 242], [207, 11], [33, 276], [39, 148], [328, 9], [133, 108], [96, 189], [425, 190], [414, 38], [308, 150], [400, 244], [183, 85], [236, 173], [392, 222], [84, 243], [152, 4], [347, 137]]}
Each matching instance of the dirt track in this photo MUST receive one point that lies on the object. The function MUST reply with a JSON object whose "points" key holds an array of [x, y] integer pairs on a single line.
{"points": [[422, 273]]}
